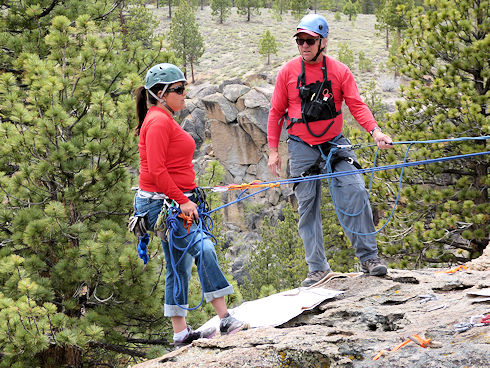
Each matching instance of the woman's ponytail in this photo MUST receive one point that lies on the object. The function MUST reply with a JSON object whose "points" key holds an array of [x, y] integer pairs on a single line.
{"points": [[141, 108]]}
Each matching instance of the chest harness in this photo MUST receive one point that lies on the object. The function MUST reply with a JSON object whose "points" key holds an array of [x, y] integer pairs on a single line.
{"points": [[317, 101]]}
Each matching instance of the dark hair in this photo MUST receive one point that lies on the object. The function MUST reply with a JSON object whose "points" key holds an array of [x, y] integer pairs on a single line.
{"points": [[142, 100]]}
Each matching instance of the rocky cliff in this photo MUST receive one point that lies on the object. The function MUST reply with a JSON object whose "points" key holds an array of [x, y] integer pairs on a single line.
{"points": [[373, 314], [229, 124]]}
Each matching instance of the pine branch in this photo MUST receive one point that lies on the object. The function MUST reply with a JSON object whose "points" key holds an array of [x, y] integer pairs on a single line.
{"points": [[117, 349], [47, 10], [116, 5], [148, 342]]}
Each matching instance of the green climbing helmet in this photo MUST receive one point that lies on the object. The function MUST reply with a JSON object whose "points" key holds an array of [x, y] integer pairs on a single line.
{"points": [[164, 73]]}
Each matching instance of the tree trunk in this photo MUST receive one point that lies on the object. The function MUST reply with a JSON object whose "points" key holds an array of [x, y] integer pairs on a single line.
{"points": [[122, 21], [61, 356], [192, 70], [387, 39], [170, 9], [268, 59]]}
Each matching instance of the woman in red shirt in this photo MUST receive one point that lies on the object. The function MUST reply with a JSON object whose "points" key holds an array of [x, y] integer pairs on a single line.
{"points": [[166, 174]]}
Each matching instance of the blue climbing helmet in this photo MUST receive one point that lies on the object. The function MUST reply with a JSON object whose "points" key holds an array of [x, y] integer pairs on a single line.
{"points": [[164, 73], [313, 24]]}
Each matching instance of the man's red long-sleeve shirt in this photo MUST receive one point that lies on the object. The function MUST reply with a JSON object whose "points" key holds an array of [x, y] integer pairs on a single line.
{"points": [[286, 96], [166, 152]]}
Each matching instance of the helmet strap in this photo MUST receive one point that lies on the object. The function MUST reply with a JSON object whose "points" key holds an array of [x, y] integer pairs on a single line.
{"points": [[161, 100], [320, 49]]}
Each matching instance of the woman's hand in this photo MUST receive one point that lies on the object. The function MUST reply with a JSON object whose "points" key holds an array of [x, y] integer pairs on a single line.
{"points": [[189, 208]]}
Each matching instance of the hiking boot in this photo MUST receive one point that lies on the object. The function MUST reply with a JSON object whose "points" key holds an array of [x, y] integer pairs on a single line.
{"points": [[230, 324], [313, 277], [194, 335], [374, 267]]}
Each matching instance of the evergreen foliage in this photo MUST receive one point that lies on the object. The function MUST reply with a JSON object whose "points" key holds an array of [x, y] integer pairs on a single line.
{"points": [[365, 64], [221, 9], [346, 55], [278, 262], [268, 45], [351, 8], [249, 7], [336, 5], [299, 8], [280, 7], [185, 38], [443, 215], [72, 289]]}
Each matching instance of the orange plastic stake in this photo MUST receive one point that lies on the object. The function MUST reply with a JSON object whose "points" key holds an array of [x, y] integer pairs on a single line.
{"points": [[380, 354], [401, 345], [421, 341], [454, 270]]}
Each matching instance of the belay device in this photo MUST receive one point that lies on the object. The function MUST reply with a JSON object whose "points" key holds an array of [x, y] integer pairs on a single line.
{"points": [[317, 101]]}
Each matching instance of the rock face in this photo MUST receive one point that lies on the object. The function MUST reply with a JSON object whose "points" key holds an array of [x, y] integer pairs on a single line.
{"points": [[373, 314], [229, 124]]}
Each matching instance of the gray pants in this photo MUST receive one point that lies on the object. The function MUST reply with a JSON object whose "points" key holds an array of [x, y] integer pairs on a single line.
{"points": [[350, 195]]}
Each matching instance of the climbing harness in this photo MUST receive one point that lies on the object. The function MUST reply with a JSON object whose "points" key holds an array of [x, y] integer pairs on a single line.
{"points": [[316, 169]]}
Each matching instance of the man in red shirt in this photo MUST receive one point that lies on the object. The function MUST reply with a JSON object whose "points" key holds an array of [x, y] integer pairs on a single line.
{"points": [[309, 92]]}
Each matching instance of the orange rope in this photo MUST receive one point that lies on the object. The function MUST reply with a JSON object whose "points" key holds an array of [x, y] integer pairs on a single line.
{"points": [[454, 270], [253, 184]]}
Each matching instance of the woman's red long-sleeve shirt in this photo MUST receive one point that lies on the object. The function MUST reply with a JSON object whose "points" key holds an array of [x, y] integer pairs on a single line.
{"points": [[286, 96], [166, 152]]}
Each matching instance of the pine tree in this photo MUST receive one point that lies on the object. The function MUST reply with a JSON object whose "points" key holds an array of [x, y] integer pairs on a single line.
{"points": [[248, 7], [395, 13], [221, 8], [268, 45], [280, 7], [443, 216], [72, 290], [299, 8], [185, 37], [278, 262], [351, 9]]}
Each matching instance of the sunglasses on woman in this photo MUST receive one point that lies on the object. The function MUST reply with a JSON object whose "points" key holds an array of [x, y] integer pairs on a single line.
{"points": [[179, 90], [309, 41]]}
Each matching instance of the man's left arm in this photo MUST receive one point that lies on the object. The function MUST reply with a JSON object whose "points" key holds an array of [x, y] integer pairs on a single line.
{"points": [[360, 111]]}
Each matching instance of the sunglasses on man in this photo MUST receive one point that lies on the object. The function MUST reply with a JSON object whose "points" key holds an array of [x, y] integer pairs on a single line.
{"points": [[179, 90], [309, 41]]}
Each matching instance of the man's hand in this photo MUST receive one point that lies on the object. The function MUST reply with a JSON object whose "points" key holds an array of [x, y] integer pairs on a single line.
{"points": [[274, 161], [382, 140]]}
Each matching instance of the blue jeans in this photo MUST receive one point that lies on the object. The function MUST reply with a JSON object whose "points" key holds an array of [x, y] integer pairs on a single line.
{"points": [[350, 195], [213, 282]]}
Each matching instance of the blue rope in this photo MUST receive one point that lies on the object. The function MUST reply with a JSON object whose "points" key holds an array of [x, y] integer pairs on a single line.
{"points": [[337, 209], [205, 225], [353, 172], [201, 232]]}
